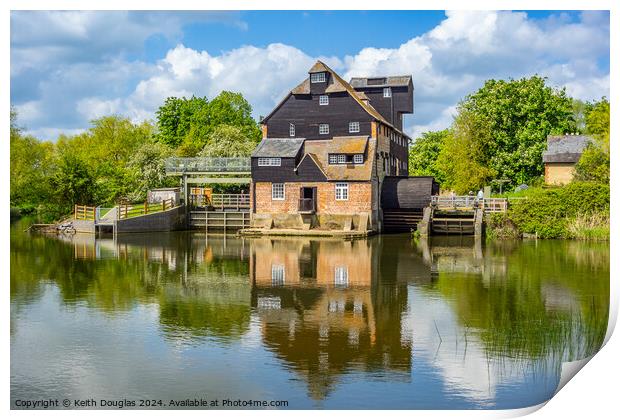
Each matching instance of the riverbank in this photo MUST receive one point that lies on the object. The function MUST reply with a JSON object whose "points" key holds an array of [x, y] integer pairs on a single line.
{"points": [[579, 210]]}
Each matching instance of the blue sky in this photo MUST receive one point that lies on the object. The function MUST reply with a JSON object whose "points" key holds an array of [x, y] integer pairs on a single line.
{"points": [[70, 67]]}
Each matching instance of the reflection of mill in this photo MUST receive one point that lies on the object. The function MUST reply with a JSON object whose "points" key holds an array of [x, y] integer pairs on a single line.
{"points": [[323, 311]]}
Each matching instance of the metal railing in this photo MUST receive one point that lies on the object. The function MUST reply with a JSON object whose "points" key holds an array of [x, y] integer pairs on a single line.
{"points": [[230, 201], [207, 165], [307, 205], [489, 205]]}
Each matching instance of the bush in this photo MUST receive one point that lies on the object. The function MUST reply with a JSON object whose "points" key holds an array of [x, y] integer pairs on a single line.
{"points": [[546, 212], [499, 226]]}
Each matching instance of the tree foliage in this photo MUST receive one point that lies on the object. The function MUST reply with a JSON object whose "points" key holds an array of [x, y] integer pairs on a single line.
{"points": [[595, 161], [424, 154], [187, 124], [227, 140], [500, 132]]}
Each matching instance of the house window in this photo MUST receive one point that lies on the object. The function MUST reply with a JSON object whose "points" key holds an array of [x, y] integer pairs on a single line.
{"points": [[291, 130], [317, 77], [341, 276], [269, 161], [333, 159], [323, 128], [359, 158], [342, 191], [342, 158], [277, 191], [354, 127], [323, 100], [277, 275], [387, 92]]}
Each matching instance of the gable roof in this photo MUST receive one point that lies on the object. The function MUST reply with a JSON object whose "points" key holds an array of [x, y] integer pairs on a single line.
{"points": [[565, 149], [362, 82], [278, 147], [336, 84]]}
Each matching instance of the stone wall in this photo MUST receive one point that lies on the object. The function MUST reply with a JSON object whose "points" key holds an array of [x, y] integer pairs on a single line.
{"points": [[173, 219]]}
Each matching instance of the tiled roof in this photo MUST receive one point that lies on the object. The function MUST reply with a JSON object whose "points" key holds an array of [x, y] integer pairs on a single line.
{"points": [[319, 151], [348, 145], [362, 82], [565, 149], [278, 147]]}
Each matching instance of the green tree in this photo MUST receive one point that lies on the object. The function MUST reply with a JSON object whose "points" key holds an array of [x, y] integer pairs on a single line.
{"points": [[147, 166], [462, 159], [227, 140], [504, 127], [595, 161], [73, 183], [30, 168], [424, 154], [175, 117]]}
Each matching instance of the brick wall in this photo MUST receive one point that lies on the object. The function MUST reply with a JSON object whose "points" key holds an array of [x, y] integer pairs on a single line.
{"points": [[360, 198]]}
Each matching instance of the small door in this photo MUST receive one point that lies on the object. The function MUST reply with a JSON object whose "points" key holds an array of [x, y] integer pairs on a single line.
{"points": [[307, 199]]}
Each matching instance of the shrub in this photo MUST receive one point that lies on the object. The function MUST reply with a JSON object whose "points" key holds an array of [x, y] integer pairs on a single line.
{"points": [[546, 212]]}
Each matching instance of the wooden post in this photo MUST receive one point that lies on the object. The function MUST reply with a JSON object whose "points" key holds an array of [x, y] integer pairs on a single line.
{"points": [[94, 214], [146, 207]]}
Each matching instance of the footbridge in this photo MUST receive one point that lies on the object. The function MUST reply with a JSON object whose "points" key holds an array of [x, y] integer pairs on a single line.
{"points": [[207, 210]]}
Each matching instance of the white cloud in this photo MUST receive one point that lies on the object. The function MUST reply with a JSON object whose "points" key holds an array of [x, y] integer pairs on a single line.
{"points": [[448, 62]]}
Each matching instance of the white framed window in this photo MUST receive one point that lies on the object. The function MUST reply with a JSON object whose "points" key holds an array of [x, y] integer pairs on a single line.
{"points": [[342, 158], [278, 275], [358, 158], [323, 128], [269, 161], [342, 191], [291, 129], [387, 92], [333, 159], [354, 127], [317, 77], [323, 100], [277, 191], [341, 276]]}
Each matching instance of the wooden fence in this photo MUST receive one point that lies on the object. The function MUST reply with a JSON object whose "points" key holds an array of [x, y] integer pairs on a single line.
{"points": [[132, 210], [230, 201], [84, 212]]}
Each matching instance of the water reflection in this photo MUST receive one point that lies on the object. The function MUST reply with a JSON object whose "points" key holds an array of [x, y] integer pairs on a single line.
{"points": [[445, 323]]}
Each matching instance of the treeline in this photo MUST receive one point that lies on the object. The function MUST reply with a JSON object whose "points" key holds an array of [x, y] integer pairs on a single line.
{"points": [[500, 133], [117, 159]]}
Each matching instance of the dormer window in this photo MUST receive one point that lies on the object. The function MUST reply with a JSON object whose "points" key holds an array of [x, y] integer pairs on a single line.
{"points": [[387, 92], [323, 100], [317, 77]]}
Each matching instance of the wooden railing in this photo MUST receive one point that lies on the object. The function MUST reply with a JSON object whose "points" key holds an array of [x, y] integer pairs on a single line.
{"points": [[126, 211], [230, 201], [84, 212]]}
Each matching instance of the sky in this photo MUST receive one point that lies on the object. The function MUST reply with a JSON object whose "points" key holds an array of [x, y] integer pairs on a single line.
{"points": [[70, 67]]}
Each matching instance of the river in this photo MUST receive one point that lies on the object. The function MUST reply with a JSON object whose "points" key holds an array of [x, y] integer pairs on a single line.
{"points": [[387, 322]]}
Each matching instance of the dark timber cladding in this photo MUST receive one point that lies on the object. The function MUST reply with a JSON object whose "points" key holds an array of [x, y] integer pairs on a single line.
{"points": [[305, 112], [407, 193]]}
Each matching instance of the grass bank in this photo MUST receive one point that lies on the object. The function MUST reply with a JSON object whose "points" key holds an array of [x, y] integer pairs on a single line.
{"points": [[579, 210]]}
